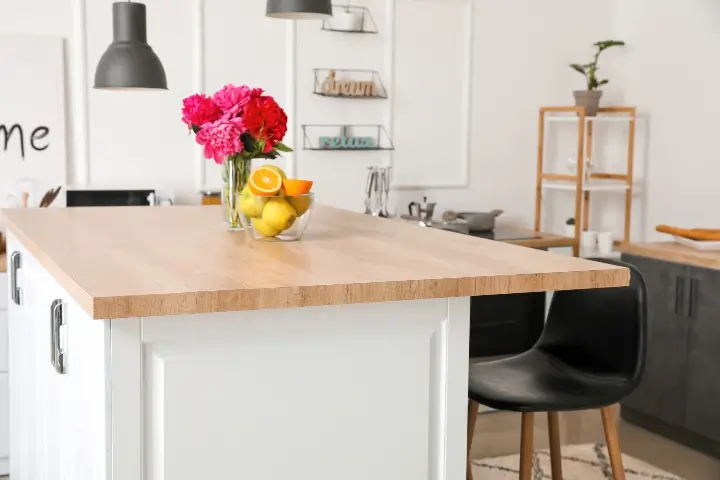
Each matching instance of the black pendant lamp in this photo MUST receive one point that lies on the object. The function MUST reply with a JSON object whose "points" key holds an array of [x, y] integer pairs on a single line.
{"points": [[129, 62], [299, 9]]}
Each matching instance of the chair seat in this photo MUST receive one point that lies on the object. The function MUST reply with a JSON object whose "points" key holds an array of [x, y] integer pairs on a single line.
{"points": [[537, 382]]}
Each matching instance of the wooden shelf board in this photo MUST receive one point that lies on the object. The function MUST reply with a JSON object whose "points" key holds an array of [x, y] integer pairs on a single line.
{"points": [[615, 186]]}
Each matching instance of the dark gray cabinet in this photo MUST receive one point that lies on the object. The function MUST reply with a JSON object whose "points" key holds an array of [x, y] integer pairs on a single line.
{"points": [[679, 395], [662, 390], [702, 412]]}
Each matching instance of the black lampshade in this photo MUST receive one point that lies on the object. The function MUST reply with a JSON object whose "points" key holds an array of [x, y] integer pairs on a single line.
{"points": [[129, 62], [299, 9]]}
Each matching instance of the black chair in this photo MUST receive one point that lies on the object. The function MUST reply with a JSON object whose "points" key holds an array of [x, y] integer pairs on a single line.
{"points": [[590, 355]]}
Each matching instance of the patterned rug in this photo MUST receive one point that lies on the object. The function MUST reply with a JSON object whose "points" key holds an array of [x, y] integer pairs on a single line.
{"points": [[580, 462]]}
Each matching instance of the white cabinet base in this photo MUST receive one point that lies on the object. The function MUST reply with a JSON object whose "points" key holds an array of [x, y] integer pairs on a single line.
{"points": [[362, 391], [367, 391]]}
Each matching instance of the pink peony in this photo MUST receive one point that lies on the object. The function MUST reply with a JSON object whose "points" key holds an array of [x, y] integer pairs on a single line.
{"points": [[231, 99], [199, 109], [221, 139]]}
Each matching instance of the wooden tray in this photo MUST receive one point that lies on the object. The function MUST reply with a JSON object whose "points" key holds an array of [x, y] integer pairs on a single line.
{"points": [[698, 244]]}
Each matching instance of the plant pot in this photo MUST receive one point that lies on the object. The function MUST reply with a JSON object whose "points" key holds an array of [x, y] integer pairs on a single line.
{"points": [[590, 99]]}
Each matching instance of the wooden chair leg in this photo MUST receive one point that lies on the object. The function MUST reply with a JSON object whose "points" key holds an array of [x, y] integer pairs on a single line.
{"points": [[473, 408], [526, 445], [613, 445], [555, 452]]}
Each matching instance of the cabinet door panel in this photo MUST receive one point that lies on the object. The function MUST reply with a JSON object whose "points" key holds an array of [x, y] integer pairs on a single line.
{"points": [[703, 372], [4, 291], [4, 418], [661, 392]]}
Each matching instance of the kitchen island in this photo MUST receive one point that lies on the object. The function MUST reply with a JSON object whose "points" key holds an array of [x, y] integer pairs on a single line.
{"points": [[150, 343]]}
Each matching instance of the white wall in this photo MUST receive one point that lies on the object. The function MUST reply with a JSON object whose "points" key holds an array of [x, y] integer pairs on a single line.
{"points": [[521, 54], [465, 81], [671, 68]]}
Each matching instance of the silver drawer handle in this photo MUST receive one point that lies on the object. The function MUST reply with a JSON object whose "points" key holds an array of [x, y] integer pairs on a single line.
{"points": [[15, 264], [58, 343]]}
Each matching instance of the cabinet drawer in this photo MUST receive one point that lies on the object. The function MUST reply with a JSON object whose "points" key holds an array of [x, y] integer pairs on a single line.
{"points": [[4, 292]]}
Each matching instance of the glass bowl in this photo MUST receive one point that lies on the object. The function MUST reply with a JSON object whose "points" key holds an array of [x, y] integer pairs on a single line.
{"points": [[278, 218]]}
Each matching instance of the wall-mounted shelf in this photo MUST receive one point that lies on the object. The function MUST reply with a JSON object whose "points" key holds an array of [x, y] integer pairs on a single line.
{"points": [[348, 84], [350, 19], [346, 138]]}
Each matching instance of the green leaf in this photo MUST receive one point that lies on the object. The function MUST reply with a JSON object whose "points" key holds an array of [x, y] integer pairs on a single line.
{"points": [[603, 82], [248, 142], [195, 128], [577, 68], [605, 44], [282, 147]]}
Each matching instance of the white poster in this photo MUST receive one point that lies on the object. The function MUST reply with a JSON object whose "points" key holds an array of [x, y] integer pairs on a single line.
{"points": [[32, 118]]}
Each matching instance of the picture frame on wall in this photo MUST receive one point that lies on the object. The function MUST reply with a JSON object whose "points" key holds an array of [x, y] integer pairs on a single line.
{"points": [[33, 146]]}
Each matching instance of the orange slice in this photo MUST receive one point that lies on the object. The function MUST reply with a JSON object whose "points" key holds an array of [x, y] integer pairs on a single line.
{"points": [[294, 188], [265, 182]]}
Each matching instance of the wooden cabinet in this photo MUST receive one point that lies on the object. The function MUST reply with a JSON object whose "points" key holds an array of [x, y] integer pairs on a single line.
{"points": [[680, 390]]}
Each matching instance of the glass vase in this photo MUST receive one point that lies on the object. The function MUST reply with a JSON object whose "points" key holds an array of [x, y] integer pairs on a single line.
{"points": [[235, 174]]}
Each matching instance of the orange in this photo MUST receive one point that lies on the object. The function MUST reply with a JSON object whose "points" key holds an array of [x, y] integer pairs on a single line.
{"points": [[294, 188], [265, 182]]}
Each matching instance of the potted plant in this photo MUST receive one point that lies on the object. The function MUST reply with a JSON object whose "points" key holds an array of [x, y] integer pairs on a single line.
{"points": [[570, 227], [590, 98]]}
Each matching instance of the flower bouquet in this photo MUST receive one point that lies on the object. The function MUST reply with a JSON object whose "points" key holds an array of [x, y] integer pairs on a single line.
{"points": [[235, 125]]}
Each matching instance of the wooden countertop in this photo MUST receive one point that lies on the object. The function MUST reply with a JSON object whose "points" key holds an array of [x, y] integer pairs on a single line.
{"points": [[673, 252], [541, 240], [136, 261], [3, 263]]}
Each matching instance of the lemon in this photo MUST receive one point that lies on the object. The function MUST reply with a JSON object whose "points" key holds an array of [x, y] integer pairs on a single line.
{"points": [[251, 205], [278, 214], [277, 169], [263, 228], [300, 204]]}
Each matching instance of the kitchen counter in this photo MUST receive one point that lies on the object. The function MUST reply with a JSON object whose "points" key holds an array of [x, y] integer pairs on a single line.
{"points": [[674, 252], [540, 240], [3, 263], [181, 260], [152, 343]]}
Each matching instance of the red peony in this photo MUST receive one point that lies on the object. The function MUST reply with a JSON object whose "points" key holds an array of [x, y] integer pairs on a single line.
{"points": [[265, 121], [199, 109]]}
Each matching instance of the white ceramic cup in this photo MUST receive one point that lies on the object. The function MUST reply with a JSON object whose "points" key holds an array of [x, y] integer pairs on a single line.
{"points": [[588, 240], [605, 243], [570, 231]]}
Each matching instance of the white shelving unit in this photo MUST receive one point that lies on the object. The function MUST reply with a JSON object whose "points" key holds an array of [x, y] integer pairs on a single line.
{"points": [[583, 182]]}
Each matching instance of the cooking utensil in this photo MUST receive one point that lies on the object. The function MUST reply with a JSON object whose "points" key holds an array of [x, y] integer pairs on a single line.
{"points": [[481, 221], [369, 191], [385, 173], [50, 197], [458, 225], [423, 210]]}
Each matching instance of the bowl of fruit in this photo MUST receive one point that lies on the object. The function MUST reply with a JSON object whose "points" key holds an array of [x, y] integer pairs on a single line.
{"points": [[274, 207]]}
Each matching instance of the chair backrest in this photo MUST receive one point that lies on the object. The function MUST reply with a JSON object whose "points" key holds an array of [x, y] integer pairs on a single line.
{"points": [[601, 330]]}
